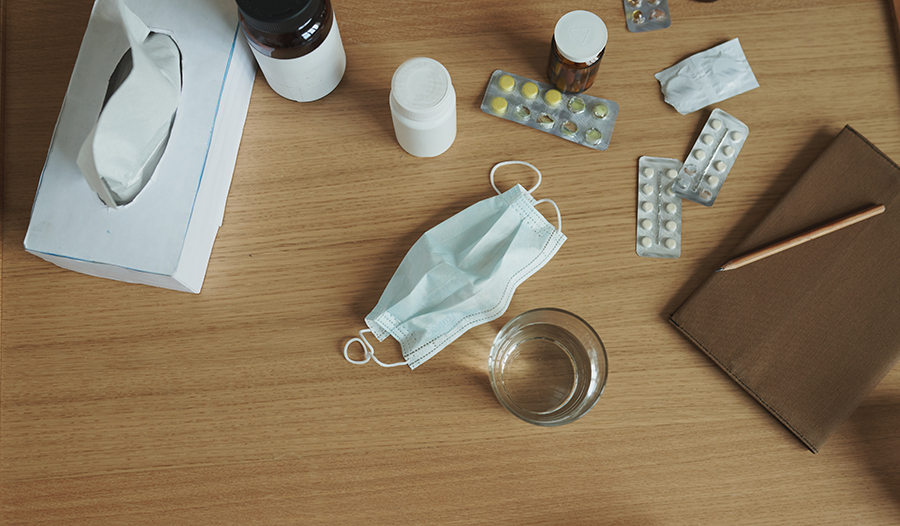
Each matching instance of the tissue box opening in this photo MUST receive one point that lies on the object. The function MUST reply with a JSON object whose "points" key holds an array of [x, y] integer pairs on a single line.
{"points": [[122, 71], [134, 122]]}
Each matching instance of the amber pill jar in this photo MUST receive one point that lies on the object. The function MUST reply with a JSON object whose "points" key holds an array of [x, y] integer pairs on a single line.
{"points": [[579, 41], [297, 45]]}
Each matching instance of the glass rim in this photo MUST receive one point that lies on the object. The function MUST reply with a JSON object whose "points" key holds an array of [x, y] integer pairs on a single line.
{"points": [[592, 386]]}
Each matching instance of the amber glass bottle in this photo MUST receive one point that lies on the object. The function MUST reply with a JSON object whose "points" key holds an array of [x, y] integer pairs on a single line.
{"points": [[579, 41]]}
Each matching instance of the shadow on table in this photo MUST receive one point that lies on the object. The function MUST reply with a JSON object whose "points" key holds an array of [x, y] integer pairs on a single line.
{"points": [[876, 428]]}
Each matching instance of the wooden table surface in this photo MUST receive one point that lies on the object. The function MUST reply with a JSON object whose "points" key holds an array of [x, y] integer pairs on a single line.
{"points": [[126, 404]]}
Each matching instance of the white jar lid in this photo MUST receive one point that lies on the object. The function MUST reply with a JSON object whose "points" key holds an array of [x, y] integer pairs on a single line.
{"points": [[421, 89], [580, 36]]}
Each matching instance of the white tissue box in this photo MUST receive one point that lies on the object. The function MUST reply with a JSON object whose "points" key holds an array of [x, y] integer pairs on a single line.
{"points": [[164, 237]]}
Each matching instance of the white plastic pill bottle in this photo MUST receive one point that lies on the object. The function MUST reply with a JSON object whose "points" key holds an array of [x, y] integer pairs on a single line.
{"points": [[423, 107], [297, 45]]}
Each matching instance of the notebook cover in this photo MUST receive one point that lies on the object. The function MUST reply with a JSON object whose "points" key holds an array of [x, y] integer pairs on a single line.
{"points": [[810, 331]]}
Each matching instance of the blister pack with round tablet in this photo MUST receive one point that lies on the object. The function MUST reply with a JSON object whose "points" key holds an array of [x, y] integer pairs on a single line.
{"points": [[658, 233], [578, 118], [711, 158]]}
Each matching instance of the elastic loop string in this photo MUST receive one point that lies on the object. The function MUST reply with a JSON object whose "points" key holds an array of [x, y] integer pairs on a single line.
{"points": [[558, 215], [368, 350], [504, 163]]}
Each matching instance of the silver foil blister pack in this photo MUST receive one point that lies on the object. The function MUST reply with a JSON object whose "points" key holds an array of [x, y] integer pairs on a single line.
{"points": [[658, 209], [707, 77], [646, 15], [576, 117], [711, 158]]}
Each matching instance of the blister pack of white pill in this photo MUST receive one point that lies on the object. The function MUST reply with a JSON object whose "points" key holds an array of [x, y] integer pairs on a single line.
{"points": [[658, 209], [711, 158], [576, 117], [646, 15]]}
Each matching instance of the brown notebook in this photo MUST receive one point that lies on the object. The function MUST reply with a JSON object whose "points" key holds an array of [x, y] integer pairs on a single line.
{"points": [[810, 331]]}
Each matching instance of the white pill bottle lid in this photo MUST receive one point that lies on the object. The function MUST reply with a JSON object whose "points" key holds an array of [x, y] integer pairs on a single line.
{"points": [[580, 36], [423, 107]]}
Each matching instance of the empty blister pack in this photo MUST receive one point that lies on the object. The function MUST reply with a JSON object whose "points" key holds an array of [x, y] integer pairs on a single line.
{"points": [[707, 77], [711, 158], [658, 209], [579, 118], [646, 15]]}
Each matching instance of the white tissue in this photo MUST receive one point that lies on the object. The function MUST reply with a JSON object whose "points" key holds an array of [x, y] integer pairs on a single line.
{"points": [[123, 148], [707, 77]]}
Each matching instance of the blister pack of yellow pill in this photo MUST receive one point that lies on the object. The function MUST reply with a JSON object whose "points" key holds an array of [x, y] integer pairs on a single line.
{"points": [[576, 117]]}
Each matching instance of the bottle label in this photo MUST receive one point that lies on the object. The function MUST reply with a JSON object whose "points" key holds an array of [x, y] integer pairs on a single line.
{"points": [[310, 77]]}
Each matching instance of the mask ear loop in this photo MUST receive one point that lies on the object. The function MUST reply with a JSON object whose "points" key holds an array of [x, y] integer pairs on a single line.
{"points": [[368, 350], [558, 215], [540, 177], [504, 163]]}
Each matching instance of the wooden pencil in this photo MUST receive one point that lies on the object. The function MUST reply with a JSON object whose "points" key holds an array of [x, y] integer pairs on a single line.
{"points": [[802, 238]]}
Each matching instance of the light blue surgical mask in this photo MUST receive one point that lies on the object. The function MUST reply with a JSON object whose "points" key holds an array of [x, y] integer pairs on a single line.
{"points": [[462, 273]]}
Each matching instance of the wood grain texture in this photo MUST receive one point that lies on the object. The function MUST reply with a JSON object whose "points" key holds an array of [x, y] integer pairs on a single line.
{"points": [[125, 404]]}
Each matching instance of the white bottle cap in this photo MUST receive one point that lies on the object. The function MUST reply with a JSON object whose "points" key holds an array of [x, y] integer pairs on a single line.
{"points": [[423, 107], [421, 89], [580, 36]]}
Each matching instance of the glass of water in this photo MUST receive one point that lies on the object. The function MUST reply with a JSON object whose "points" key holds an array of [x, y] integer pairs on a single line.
{"points": [[548, 367]]}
